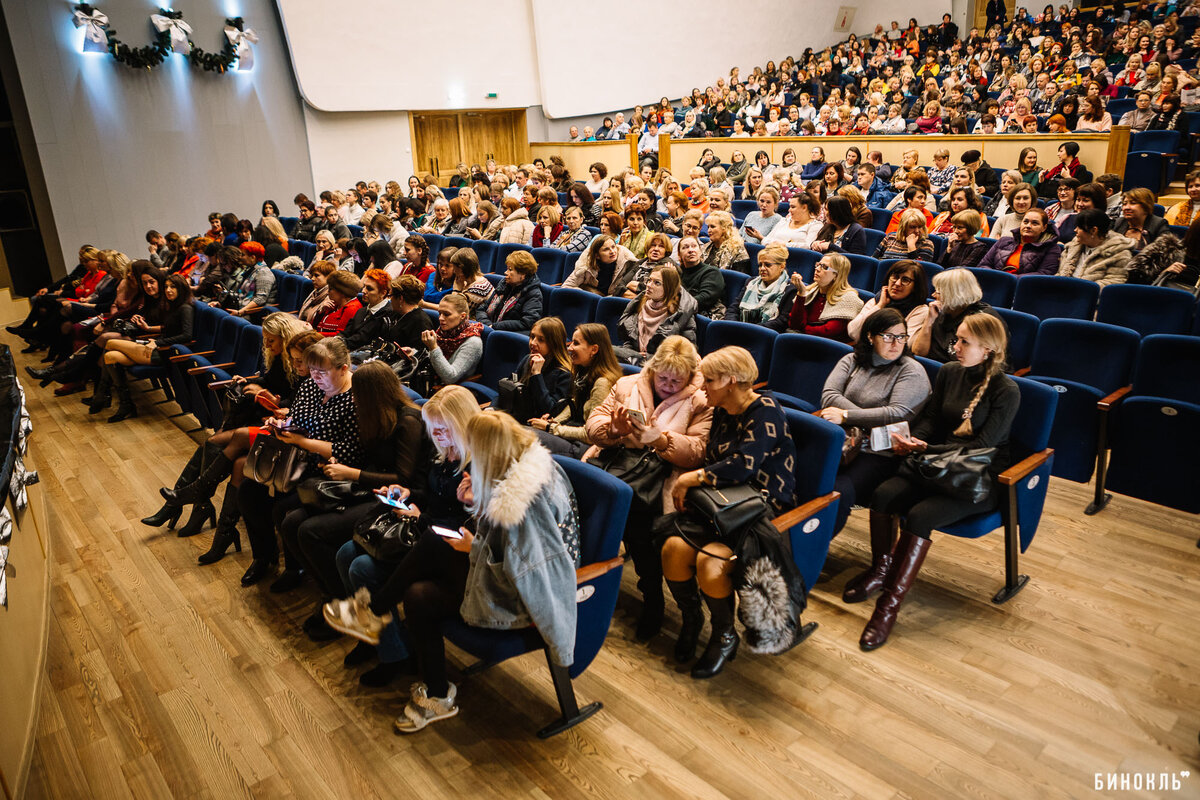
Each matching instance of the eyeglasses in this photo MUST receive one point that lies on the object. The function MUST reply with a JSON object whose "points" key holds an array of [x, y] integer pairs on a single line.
{"points": [[892, 338], [903, 280]]}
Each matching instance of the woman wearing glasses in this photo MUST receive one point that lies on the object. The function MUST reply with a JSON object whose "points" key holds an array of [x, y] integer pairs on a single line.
{"points": [[880, 383], [905, 289], [825, 306], [956, 295]]}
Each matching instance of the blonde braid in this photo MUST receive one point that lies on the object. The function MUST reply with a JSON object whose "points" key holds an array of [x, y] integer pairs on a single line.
{"points": [[965, 428]]}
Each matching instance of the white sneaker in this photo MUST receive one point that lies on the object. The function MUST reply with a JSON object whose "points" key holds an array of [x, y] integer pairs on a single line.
{"points": [[354, 617], [423, 709]]}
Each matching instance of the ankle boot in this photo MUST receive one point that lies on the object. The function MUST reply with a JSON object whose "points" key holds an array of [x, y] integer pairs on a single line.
{"points": [[120, 381], [910, 553], [687, 597], [723, 643], [226, 533], [167, 515], [883, 540], [650, 620], [205, 484], [102, 398], [201, 512], [189, 473]]}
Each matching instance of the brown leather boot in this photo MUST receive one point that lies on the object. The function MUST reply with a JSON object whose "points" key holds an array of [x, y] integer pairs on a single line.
{"points": [[910, 553], [883, 540]]}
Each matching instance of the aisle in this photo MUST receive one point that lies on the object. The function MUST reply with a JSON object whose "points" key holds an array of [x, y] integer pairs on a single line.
{"points": [[169, 680]]}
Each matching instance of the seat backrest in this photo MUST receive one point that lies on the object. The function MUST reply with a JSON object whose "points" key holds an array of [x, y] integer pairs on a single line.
{"points": [[204, 326], [804, 262], [304, 250], [1022, 332], [743, 207], [1146, 309], [874, 239], [1091, 353], [248, 357], [998, 286], [1144, 170], [1154, 141], [1048, 296], [356, 231], [503, 250], [862, 271], [758, 339], [435, 241], [752, 250], [572, 306], [735, 285], [225, 342], [801, 363], [551, 264], [289, 224], [486, 251], [1168, 366], [880, 217], [608, 313], [502, 352], [818, 452], [1031, 428]]}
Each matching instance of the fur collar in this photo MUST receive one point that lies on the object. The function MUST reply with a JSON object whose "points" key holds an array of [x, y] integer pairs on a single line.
{"points": [[523, 482]]}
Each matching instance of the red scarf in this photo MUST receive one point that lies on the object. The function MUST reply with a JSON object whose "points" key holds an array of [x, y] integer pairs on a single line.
{"points": [[450, 341]]}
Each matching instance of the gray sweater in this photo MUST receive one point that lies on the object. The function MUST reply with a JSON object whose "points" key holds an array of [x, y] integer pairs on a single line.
{"points": [[876, 395], [466, 360]]}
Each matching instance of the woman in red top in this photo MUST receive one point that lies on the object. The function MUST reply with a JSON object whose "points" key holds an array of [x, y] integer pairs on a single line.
{"points": [[416, 258], [825, 306], [343, 291]]}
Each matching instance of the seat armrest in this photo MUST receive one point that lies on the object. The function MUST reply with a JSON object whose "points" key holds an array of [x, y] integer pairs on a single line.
{"points": [[590, 572], [174, 359], [1022, 372], [787, 519], [1018, 471], [198, 370], [1108, 402]]}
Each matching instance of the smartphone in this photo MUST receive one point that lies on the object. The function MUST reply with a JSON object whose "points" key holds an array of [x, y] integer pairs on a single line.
{"points": [[446, 532], [638, 415], [394, 502]]}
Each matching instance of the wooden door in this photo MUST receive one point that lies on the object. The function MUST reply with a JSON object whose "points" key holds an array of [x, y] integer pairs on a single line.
{"points": [[493, 134], [437, 143]]}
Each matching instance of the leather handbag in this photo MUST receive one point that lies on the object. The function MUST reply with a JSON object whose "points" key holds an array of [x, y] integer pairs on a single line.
{"points": [[386, 537], [852, 445], [326, 496], [730, 509], [961, 472], [275, 464], [644, 470]]}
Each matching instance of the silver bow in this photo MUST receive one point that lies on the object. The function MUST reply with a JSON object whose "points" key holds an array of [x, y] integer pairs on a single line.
{"points": [[180, 31], [95, 37], [241, 41]]}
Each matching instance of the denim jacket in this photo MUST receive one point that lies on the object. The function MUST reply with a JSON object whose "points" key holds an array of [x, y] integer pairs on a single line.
{"points": [[525, 554]]}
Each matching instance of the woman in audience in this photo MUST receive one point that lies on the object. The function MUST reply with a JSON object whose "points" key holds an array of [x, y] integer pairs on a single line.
{"points": [[748, 443], [574, 238], [801, 226], [318, 303], [456, 347], [636, 234], [440, 220], [1138, 221], [600, 270], [759, 224], [1093, 118], [1169, 117], [841, 234], [599, 178], [914, 198], [469, 279], [1062, 210], [546, 372], [658, 253], [528, 521], [878, 384], [343, 288], [488, 221], [962, 248], [371, 321], [416, 259], [579, 196], [768, 298], [662, 409], [326, 246], [611, 224], [826, 306], [956, 295], [441, 279], [858, 204], [1096, 253], [703, 281], [517, 302], [1068, 167], [1020, 199], [594, 371], [549, 226], [905, 289], [1032, 249], [1183, 212], [910, 240], [961, 199], [663, 309], [725, 248], [973, 405], [517, 227]]}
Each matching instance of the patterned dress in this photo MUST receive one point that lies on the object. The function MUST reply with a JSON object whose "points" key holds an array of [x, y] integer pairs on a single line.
{"points": [[754, 447]]}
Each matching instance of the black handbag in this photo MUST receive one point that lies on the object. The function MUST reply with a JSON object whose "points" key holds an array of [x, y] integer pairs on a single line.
{"points": [[275, 464], [326, 496], [961, 472], [730, 509], [385, 536], [644, 470]]}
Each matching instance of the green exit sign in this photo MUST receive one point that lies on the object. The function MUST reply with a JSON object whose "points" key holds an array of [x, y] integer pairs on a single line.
{"points": [[492, 95]]}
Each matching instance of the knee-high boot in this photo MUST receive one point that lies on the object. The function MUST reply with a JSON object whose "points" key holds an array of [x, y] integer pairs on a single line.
{"points": [[226, 533], [910, 554], [102, 398], [120, 381], [883, 540], [723, 643], [189, 473], [687, 597], [205, 484]]}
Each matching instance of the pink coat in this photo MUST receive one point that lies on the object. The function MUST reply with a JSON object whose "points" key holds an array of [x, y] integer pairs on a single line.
{"points": [[686, 415]]}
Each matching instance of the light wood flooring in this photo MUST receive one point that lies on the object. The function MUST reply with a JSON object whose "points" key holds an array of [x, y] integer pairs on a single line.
{"points": [[169, 680]]}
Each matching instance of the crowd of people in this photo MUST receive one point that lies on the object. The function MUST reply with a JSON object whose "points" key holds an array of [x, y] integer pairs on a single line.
{"points": [[483, 525]]}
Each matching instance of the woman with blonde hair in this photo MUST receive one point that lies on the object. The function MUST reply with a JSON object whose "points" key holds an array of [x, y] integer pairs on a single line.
{"points": [[826, 306], [956, 296], [748, 444], [910, 240], [725, 248], [517, 227], [520, 571], [972, 406]]}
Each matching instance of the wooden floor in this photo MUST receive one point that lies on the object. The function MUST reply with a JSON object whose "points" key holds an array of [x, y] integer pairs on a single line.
{"points": [[168, 680]]}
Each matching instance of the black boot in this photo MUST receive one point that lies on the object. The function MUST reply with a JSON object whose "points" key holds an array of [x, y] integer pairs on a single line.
{"points": [[167, 515], [723, 643], [201, 512], [205, 484], [102, 398], [650, 621], [226, 533], [883, 540], [687, 597], [120, 381], [189, 473], [259, 569]]}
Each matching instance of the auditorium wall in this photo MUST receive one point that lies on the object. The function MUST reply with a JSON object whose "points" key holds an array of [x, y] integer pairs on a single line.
{"points": [[123, 149]]}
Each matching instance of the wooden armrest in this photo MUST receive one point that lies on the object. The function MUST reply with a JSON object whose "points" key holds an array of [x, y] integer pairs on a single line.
{"points": [[592, 571], [189, 355], [1114, 398], [218, 384], [1022, 371], [760, 385], [1018, 471], [787, 519], [198, 370]]}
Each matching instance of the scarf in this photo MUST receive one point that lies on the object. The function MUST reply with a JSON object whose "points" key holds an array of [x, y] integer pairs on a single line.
{"points": [[761, 302], [450, 341], [650, 317], [1186, 213]]}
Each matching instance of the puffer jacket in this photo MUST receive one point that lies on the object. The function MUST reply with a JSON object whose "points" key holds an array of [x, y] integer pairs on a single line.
{"points": [[525, 310], [1106, 264], [682, 323], [587, 277], [685, 415], [525, 554], [1041, 256], [517, 229]]}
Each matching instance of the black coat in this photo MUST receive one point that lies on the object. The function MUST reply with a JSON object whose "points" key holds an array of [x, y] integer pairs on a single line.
{"points": [[365, 327], [525, 308]]}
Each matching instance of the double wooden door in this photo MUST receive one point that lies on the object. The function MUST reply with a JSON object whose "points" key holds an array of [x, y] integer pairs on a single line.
{"points": [[441, 139]]}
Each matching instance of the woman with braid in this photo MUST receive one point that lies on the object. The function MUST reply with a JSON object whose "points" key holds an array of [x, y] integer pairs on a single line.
{"points": [[973, 405]]}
